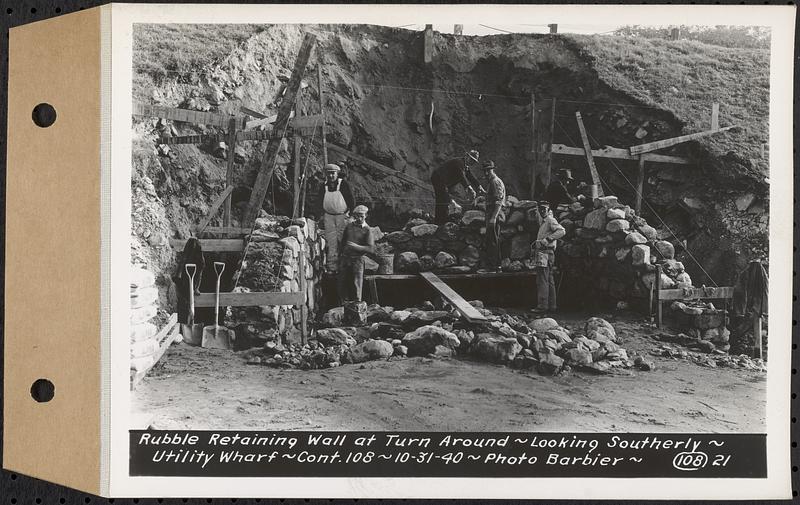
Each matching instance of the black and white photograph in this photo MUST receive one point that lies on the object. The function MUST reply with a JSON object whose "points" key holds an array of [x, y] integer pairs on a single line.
{"points": [[530, 228]]}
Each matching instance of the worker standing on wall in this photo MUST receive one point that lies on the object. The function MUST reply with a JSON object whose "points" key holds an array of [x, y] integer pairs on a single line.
{"points": [[356, 242], [495, 202], [453, 172], [544, 256], [336, 200]]}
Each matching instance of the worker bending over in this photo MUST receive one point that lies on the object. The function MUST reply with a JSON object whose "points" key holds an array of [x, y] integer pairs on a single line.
{"points": [[453, 172], [495, 202], [544, 256], [337, 200], [356, 242]]}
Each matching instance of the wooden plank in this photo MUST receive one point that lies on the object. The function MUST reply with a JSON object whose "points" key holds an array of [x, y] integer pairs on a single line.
{"points": [[252, 112], [284, 110], [470, 276], [535, 145], [715, 116], [620, 154], [226, 230], [226, 216], [661, 144], [256, 299], [428, 49], [296, 177], [214, 208], [548, 159], [696, 293], [192, 139], [461, 305], [211, 244], [185, 115], [166, 336], [257, 135], [379, 167], [587, 149], [640, 185], [301, 264], [322, 111]]}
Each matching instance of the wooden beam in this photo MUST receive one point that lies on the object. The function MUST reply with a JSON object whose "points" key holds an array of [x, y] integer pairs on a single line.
{"points": [[461, 305], [296, 177], [257, 299], [470, 276], [535, 146], [322, 111], [226, 217], [661, 144], [192, 139], [214, 208], [379, 167], [587, 149], [428, 49], [548, 160], [256, 114], [226, 230], [696, 293], [186, 115], [715, 116], [296, 122], [640, 185], [620, 154], [211, 244], [284, 110]]}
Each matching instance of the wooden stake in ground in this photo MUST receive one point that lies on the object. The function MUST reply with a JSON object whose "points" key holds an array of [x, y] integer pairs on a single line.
{"points": [[284, 110], [587, 149], [226, 219], [322, 113], [640, 184]]}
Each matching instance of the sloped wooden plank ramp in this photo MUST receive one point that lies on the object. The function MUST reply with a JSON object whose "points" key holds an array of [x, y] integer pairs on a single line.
{"points": [[461, 305]]}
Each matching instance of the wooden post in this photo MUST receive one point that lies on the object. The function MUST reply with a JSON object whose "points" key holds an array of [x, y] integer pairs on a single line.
{"points": [[535, 145], [553, 28], [428, 52], [675, 33], [458, 29], [304, 305], [549, 150], [297, 148], [587, 149], [284, 111], [226, 219], [322, 111], [715, 116], [640, 185], [658, 292], [757, 335]]}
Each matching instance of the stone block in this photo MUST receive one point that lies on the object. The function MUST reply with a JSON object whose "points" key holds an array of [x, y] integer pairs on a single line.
{"points": [[618, 225], [665, 249], [640, 255], [635, 238], [424, 230], [520, 246], [595, 220], [615, 214]]}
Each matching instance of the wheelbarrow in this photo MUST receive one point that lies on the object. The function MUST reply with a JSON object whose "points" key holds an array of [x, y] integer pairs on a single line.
{"points": [[192, 332], [216, 336]]}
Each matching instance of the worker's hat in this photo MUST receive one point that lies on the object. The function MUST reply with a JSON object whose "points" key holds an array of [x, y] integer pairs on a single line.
{"points": [[566, 173], [543, 204], [330, 167], [474, 155], [488, 165], [360, 209]]}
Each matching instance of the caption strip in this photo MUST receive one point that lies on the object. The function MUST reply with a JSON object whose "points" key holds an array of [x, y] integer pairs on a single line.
{"points": [[441, 454]]}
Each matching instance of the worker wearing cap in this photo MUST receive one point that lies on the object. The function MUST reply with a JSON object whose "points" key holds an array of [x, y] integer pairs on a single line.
{"points": [[495, 202], [453, 172], [356, 242], [561, 189], [336, 200], [544, 257]]}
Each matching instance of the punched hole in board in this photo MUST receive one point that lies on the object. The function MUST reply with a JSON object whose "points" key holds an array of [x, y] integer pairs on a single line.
{"points": [[44, 115], [42, 390]]}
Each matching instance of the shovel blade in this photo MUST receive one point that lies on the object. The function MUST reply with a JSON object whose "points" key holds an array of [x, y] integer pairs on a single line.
{"points": [[192, 334], [218, 337]]}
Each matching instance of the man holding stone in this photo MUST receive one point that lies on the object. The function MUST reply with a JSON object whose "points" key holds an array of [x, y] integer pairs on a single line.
{"points": [[336, 200], [356, 242], [453, 172], [544, 256]]}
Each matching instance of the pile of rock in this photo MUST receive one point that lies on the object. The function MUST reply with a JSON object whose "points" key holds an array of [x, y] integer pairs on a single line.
{"points": [[713, 358], [272, 264], [704, 323], [617, 250], [458, 245], [543, 344]]}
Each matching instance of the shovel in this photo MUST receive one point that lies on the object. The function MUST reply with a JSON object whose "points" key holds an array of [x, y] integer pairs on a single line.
{"points": [[192, 333], [216, 336]]}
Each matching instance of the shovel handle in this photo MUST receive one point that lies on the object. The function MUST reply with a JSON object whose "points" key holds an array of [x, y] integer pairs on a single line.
{"points": [[219, 267], [191, 269]]}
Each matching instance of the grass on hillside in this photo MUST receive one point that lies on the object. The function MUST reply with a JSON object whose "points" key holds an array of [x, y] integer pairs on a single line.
{"points": [[180, 51], [686, 77]]}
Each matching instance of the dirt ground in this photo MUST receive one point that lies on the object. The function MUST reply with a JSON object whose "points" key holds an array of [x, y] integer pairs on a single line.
{"points": [[195, 388]]}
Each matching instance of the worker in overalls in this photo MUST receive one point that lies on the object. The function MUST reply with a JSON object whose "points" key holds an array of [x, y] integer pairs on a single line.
{"points": [[453, 172], [337, 201]]}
